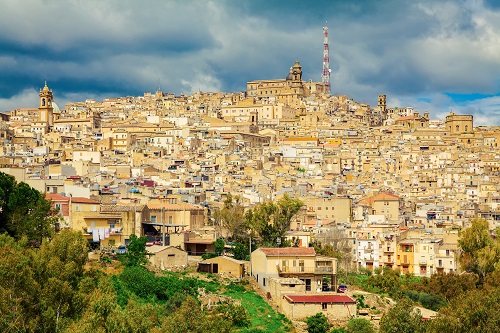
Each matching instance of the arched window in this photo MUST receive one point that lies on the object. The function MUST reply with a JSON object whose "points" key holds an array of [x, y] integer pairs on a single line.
{"points": [[457, 128], [43, 101], [466, 128]]}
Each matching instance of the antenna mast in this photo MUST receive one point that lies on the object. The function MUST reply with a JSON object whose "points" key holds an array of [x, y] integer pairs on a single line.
{"points": [[326, 61]]}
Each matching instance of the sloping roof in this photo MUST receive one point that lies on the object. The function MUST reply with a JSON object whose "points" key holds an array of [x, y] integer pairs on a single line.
{"points": [[405, 118], [83, 200], [56, 197], [240, 262], [158, 248], [289, 251], [342, 299], [384, 196]]}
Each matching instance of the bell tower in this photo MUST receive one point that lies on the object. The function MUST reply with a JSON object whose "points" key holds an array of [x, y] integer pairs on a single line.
{"points": [[45, 109]]}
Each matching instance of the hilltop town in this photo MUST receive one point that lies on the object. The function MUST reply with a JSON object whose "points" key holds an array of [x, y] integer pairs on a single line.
{"points": [[393, 184]]}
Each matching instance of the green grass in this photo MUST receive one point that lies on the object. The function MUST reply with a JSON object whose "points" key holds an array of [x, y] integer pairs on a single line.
{"points": [[262, 316]]}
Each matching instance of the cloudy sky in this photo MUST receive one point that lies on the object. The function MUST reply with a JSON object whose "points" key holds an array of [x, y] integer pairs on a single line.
{"points": [[432, 55]]}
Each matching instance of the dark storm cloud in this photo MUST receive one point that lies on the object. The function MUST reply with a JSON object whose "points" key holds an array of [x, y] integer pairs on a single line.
{"points": [[413, 51]]}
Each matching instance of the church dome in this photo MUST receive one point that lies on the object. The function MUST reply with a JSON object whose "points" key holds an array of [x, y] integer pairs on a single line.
{"points": [[55, 108]]}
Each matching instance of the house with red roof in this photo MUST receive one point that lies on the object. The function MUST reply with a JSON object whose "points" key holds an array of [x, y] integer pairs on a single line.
{"points": [[333, 306], [293, 262]]}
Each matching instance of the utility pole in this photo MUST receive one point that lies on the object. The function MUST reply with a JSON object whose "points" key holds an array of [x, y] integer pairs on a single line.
{"points": [[250, 251], [278, 241], [163, 223]]}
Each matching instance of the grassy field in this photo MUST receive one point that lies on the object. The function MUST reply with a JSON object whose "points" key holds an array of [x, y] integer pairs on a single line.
{"points": [[262, 316]]}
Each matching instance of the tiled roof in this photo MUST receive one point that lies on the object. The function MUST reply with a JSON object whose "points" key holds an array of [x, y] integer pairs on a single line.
{"points": [[405, 118], [289, 251], [380, 196], [55, 197], [83, 200], [319, 299]]}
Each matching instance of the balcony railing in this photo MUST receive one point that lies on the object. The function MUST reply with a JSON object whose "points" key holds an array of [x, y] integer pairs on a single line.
{"points": [[306, 270]]}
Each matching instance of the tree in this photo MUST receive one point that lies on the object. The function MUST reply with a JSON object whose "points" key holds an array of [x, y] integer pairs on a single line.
{"points": [[335, 243], [317, 323], [359, 325], [448, 285], [388, 282], [269, 221], [136, 254], [474, 311], [402, 318], [241, 251], [27, 213], [230, 219], [7, 184], [219, 246], [480, 252]]}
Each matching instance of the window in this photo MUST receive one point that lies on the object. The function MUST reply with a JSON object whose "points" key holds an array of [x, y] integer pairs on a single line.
{"points": [[171, 255], [324, 306], [153, 218]]}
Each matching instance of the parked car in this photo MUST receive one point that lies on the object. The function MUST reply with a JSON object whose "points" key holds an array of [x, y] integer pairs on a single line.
{"points": [[121, 249], [342, 288]]}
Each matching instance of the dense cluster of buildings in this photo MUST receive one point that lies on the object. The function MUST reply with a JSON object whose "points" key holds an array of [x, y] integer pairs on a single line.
{"points": [[390, 185]]}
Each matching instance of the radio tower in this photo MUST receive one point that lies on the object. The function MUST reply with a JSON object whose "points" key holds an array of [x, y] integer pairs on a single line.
{"points": [[326, 61]]}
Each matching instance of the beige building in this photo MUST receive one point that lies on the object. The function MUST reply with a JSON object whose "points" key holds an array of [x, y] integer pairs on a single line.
{"points": [[331, 208], [298, 262], [459, 124], [385, 204], [223, 265], [167, 257], [334, 307]]}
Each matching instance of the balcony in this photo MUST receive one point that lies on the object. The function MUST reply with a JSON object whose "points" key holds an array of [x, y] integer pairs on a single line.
{"points": [[388, 250], [306, 270], [422, 261]]}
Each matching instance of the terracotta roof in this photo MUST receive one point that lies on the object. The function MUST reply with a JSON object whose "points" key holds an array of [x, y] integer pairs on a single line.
{"points": [[56, 197], [289, 251], [83, 200], [319, 299], [379, 197], [405, 118]]}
